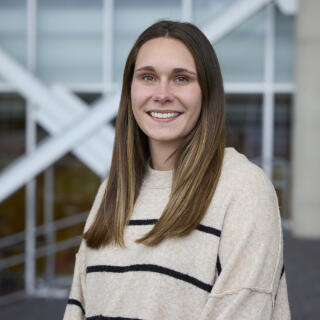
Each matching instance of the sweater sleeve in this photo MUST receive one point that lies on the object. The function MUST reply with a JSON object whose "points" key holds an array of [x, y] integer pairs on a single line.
{"points": [[250, 281], [75, 309]]}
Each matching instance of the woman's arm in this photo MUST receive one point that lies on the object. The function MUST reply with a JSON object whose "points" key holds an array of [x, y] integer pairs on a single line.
{"points": [[76, 305], [251, 282], [75, 309]]}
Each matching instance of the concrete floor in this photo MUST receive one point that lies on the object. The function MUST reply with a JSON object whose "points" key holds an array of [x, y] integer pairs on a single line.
{"points": [[302, 265]]}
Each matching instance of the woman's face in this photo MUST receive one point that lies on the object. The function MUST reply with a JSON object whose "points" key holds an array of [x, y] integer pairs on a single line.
{"points": [[165, 92]]}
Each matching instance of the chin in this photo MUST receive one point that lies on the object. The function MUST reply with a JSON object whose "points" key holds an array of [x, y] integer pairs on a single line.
{"points": [[162, 139]]}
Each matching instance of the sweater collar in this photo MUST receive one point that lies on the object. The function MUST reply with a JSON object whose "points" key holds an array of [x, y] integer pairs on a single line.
{"points": [[157, 179]]}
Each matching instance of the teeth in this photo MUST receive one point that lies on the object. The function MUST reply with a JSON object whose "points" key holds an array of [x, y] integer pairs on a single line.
{"points": [[164, 115]]}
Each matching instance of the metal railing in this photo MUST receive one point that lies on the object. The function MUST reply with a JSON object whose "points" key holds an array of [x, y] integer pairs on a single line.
{"points": [[43, 251]]}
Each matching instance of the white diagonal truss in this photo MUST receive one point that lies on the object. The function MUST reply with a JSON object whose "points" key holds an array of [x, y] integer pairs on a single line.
{"points": [[57, 111], [235, 14], [288, 7], [55, 147]]}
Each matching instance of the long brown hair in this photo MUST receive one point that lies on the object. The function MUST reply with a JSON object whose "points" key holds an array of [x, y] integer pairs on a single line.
{"points": [[198, 158]]}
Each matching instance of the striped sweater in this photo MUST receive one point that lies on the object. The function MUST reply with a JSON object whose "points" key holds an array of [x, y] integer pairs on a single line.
{"points": [[230, 267]]}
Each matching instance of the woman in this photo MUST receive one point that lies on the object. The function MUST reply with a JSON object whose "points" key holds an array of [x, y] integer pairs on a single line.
{"points": [[182, 228]]}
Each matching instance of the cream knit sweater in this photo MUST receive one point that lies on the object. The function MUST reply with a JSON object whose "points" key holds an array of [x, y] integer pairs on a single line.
{"points": [[230, 267]]}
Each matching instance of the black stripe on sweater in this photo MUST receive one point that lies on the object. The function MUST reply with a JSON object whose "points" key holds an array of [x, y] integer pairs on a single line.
{"points": [[151, 268], [282, 272], [218, 265], [142, 222], [210, 230], [200, 227], [77, 303], [110, 318]]}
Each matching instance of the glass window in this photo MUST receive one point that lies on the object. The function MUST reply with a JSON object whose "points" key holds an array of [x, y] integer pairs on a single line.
{"points": [[71, 197], [282, 151], [13, 32], [12, 146], [244, 124], [241, 52], [204, 11], [75, 187], [284, 47], [12, 128], [131, 18], [282, 133], [70, 39]]}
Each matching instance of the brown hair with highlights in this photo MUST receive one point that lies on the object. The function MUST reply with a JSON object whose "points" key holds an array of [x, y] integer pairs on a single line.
{"points": [[198, 159]]}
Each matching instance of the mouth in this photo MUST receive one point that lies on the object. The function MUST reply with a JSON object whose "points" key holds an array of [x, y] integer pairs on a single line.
{"points": [[166, 115]]}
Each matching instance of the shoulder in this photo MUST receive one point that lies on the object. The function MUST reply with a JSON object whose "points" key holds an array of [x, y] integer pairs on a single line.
{"points": [[96, 204], [252, 196], [243, 175], [251, 234], [244, 194]]}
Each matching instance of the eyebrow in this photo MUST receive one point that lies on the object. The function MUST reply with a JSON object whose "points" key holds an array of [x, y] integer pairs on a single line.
{"points": [[175, 70]]}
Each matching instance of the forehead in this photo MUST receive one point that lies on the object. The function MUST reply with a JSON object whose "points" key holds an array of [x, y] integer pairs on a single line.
{"points": [[165, 52]]}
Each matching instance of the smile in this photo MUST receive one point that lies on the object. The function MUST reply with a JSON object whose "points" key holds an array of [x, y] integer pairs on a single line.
{"points": [[164, 116]]}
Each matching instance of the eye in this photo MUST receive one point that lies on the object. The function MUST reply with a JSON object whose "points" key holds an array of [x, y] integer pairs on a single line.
{"points": [[148, 77], [181, 79]]}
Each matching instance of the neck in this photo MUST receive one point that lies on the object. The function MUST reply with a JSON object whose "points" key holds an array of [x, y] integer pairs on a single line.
{"points": [[159, 153]]}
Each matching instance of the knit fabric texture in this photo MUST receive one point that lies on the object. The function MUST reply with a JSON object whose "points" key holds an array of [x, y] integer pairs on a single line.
{"points": [[230, 267]]}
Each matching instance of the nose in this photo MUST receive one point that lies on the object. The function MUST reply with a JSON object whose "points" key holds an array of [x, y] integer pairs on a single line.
{"points": [[163, 93]]}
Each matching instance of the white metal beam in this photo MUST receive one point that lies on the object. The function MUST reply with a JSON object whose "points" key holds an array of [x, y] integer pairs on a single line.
{"points": [[93, 152], [235, 14], [48, 215], [31, 141], [58, 109], [186, 10], [288, 7], [108, 13], [257, 88], [268, 97], [53, 148]]}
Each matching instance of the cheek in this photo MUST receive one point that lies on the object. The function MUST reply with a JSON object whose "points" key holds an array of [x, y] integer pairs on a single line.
{"points": [[138, 95], [133, 95], [137, 102], [195, 104], [194, 100]]}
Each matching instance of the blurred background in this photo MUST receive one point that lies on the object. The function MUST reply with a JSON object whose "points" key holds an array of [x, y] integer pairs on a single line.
{"points": [[61, 65]]}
